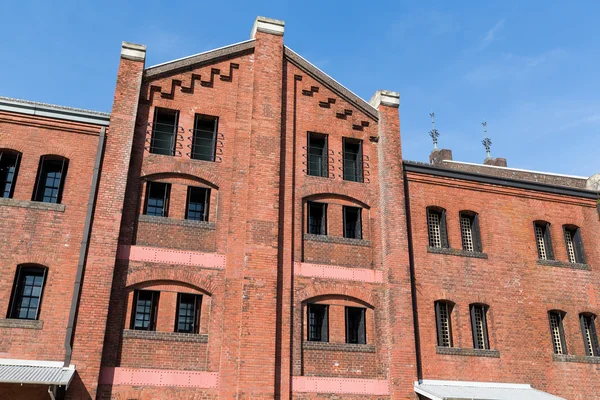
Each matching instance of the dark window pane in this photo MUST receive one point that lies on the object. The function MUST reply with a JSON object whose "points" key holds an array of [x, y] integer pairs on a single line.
{"points": [[9, 165], [50, 180], [188, 313], [28, 291], [318, 163], [164, 131], [157, 199], [443, 323], [355, 325], [317, 323], [317, 218], [479, 326], [197, 203], [352, 222], [556, 329], [353, 167], [204, 138], [145, 305]]}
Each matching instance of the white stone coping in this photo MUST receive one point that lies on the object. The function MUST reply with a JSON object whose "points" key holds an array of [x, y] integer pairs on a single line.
{"points": [[386, 98], [267, 25]]}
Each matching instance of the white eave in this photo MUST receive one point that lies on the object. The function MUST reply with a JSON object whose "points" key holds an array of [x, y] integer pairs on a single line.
{"points": [[516, 169], [457, 390], [35, 372], [53, 111]]}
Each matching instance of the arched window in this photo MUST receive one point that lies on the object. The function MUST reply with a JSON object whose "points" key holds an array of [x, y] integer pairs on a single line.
{"points": [[436, 227], [574, 244], [9, 169], [443, 311], [27, 292], [479, 326], [590, 337], [469, 230], [555, 318], [543, 240], [50, 182]]}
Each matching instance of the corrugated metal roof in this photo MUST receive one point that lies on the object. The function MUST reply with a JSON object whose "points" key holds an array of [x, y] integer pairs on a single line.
{"points": [[35, 372], [456, 390]]}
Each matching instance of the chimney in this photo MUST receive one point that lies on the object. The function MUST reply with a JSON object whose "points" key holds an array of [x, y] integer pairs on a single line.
{"points": [[438, 156]]}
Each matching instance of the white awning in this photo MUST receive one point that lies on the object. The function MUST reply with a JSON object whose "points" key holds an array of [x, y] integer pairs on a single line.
{"points": [[456, 390], [35, 372]]}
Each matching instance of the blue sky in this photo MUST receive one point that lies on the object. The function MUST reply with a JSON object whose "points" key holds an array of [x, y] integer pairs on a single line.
{"points": [[528, 68]]}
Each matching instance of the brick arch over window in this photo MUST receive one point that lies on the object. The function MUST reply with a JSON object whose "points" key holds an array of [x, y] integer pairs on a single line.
{"points": [[167, 175], [194, 171], [333, 289], [335, 189], [180, 276]]}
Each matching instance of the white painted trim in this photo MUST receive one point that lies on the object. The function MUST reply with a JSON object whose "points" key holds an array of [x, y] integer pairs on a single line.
{"points": [[31, 363], [199, 54], [321, 71], [52, 111], [134, 51], [425, 393], [385, 97], [516, 169], [475, 384], [267, 25]]}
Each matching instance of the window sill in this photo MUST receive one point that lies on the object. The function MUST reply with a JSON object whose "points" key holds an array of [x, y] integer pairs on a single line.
{"points": [[335, 239], [21, 323], [165, 336], [344, 347], [560, 264], [35, 205], [575, 359], [456, 252], [457, 351], [178, 222]]}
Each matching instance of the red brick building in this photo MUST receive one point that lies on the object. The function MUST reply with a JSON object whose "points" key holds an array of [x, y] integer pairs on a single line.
{"points": [[243, 226]]}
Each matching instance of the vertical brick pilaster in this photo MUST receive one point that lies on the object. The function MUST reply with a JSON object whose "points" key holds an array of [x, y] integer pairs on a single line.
{"points": [[93, 307], [398, 301]]}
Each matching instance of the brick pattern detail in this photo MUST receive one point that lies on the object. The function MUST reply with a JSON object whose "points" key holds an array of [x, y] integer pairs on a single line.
{"points": [[155, 352], [456, 252], [34, 205], [21, 323], [165, 336], [455, 351], [175, 234], [337, 251]]}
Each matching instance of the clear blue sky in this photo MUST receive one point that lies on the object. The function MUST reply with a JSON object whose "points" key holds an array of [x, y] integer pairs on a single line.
{"points": [[529, 68]]}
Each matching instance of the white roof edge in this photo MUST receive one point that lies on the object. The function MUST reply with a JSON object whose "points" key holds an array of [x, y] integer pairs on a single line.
{"points": [[430, 396], [53, 111], [32, 363], [517, 169], [327, 75], [474, 384], [198, 54]]}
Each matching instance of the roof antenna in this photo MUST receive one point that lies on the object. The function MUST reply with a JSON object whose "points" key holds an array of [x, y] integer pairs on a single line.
{"points": [[433, 133], [487, 142]]}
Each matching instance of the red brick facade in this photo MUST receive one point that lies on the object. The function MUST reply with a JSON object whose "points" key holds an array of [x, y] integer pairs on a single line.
{"points": [[255, 267]]}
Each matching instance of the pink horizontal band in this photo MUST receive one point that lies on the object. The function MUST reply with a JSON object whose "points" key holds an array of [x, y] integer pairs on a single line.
{"points": [[312, 384], [171, 256], [337, 272], [159, 377]]}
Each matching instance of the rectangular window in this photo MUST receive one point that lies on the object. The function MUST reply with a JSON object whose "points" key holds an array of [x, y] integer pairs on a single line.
{"points": [[318, 159], [355, 325], [27, 293], [558, 334], [188, 313], [352, 222], [197, 203], [164, 131], [479, 326], [444, 326], [574, 244], [51, 176], [318, 325], [9, 166], [590, 337], [469, 229], [436, 227], [157, 199], [543, 241], [145, 307], [352, 156], [204, 139], [317, 218]]}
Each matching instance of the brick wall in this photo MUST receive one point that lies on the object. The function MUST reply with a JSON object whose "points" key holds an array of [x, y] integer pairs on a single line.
{"points": [[518, 289]]}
